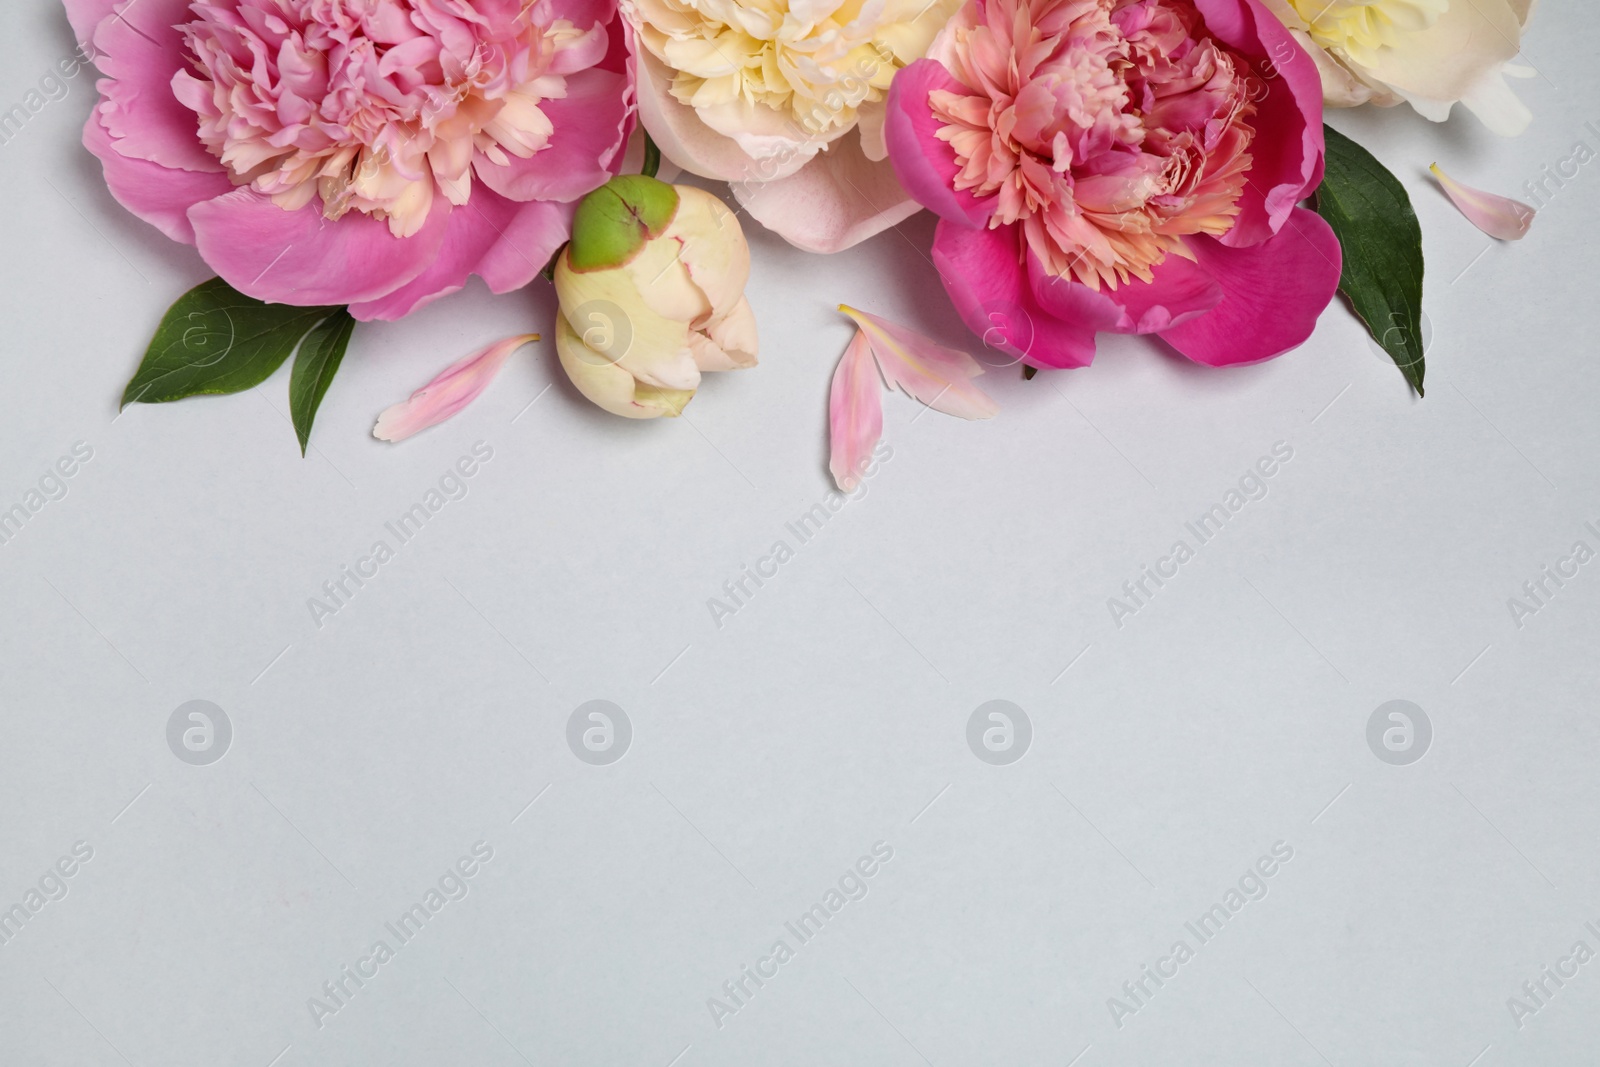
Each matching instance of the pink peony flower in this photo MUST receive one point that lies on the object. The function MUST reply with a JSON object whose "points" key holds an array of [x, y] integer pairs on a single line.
{"points": [[365, 152], [1130, 166]]}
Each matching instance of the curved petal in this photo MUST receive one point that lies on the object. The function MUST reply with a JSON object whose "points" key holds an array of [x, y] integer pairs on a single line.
{"points": [[299, 257], [1179, 290], [983, 272], [642, 341], [837, 200], [159, 195], [1287, 150], [926, 165], [923, 369], [1273, 293], [711, 248], [591, 125], [1496, 105], [855, 413], [736, 337], [693, 145], [503, 242], [139, 50], [86, 16], [580, 13], [1498, 216], [1443, 61], [608, 386], [453, 389]]}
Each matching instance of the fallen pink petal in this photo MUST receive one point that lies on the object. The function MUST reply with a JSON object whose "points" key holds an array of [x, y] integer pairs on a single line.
{"points": [[940, 377], [456, 387], [855, 413], [1498, 216]]}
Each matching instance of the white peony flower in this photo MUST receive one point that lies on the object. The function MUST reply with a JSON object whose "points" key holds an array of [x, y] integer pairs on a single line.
{"points": [[785, 100], [1428, 53]]}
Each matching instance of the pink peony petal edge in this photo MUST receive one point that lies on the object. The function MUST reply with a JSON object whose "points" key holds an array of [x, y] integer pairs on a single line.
{"points": [[455, 387], [1273, 293], [139, 50], [86, 15], [503, 242], [925, 165], [984, 275], [1498, 216], [299, 257], [592, 124], [855, 413], [1287, 152], [923, 369], [158, 195]]}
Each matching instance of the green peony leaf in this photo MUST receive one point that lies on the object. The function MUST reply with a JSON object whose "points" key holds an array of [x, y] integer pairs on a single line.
{"points": [[314, 367], [1382, 277], [217, 340], [613, 222]]}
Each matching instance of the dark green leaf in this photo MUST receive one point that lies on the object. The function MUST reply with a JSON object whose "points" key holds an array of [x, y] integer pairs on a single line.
{"points": [[1382, 242], [314, 367], [217, 340]]}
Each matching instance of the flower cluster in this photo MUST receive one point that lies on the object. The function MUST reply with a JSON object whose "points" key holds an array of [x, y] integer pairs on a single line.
{"points": [[1096, 166]]}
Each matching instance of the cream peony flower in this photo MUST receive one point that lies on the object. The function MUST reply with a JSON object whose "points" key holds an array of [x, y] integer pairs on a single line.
{"points": [[785, 100], [1428, 53]]}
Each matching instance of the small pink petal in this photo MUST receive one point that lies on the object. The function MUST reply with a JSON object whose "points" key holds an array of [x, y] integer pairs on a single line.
{"points": [[1497, 216], [458, 386], [933, 374], [855, 413]]}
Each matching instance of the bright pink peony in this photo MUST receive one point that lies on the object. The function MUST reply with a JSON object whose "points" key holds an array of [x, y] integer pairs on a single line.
{"points": [[1122, 165], [365, 152]]}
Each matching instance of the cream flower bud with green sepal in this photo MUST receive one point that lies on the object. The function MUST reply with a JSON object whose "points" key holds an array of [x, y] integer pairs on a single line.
{"points": [[651, 294]]}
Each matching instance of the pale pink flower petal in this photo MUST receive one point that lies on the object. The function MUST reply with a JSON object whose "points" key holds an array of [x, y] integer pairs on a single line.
{"points": [[1497, 216], [836, 201], [929, 372], [458, 386], [855, 413]]}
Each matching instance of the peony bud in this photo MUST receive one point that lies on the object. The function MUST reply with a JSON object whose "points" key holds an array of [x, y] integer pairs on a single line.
{"points": [[651, 293]]}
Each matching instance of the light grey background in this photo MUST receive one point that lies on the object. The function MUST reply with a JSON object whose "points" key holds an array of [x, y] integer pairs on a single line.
{"points": [[831, 711]]}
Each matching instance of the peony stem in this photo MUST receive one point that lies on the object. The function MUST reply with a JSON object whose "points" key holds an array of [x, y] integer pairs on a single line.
{"points": [[652, 158]]}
